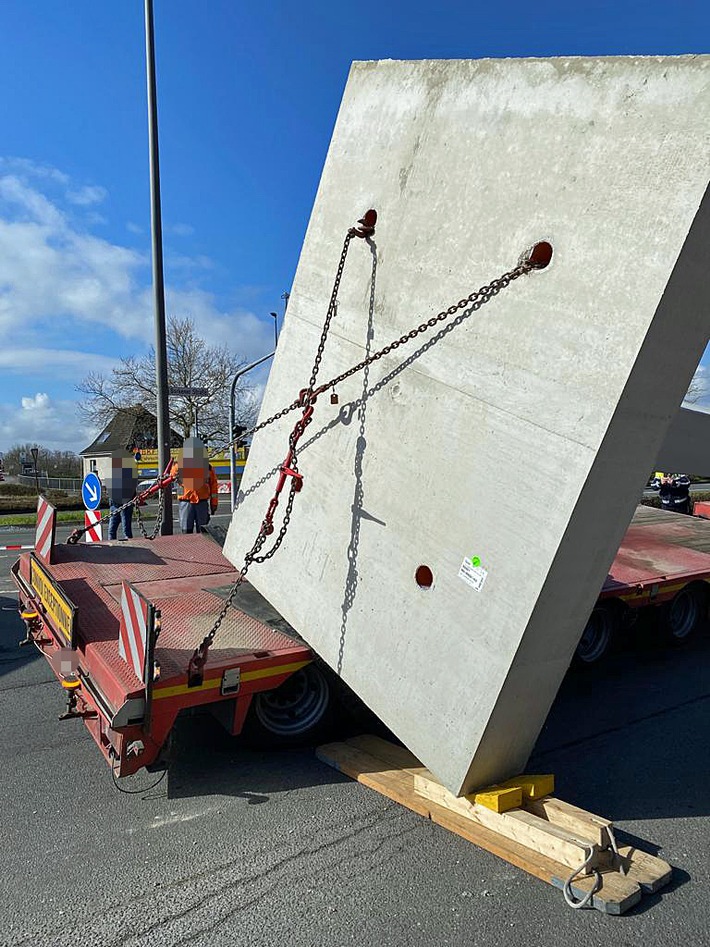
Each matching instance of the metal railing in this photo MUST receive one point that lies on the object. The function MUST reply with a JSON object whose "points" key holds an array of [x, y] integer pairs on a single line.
{"points": [[70, 484]]}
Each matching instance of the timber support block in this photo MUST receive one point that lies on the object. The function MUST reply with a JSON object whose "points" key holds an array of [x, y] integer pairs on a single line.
{"points": [[543, 835]]}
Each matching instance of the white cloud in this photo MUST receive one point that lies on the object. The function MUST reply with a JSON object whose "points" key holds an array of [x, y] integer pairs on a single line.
{"points": [[65, 364], [61, 284], [50, 270], [89, 194], [180, 230], [53, 424], [134, 228]]}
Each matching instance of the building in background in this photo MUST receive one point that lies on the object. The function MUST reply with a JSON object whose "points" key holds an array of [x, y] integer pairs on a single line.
{"points": [[135, 429]]}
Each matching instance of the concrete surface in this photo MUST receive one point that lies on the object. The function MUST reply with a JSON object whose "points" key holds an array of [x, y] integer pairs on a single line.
{"points": [[469, 163], [686, 446]]}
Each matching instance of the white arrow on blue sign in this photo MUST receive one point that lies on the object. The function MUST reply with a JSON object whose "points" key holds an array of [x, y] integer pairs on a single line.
{"points": [[91, 491]]}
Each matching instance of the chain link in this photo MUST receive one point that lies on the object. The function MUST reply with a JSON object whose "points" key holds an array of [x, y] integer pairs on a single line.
{"points": [[307, 399], [475, 300], [80, 530], [158, 518]]}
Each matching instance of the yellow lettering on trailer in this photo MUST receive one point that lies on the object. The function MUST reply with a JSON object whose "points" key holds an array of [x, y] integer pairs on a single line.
{"points": [[58, 608]]}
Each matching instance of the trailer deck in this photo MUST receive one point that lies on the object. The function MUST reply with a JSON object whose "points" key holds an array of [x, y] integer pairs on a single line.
{"points": [[660, 554], [76, 599]]}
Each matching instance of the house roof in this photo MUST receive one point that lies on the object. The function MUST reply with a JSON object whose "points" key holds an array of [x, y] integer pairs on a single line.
{"points": [[129, 428]]}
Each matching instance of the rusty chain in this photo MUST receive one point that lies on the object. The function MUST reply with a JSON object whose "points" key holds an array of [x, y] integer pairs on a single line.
{"points": [[80, 530], [158, 518], [306, 401], [475, 300]]}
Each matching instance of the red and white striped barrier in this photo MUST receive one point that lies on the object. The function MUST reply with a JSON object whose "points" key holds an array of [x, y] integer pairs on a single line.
{"points": [[46, 526], [92, 522], [133, 630], [15, 546]]}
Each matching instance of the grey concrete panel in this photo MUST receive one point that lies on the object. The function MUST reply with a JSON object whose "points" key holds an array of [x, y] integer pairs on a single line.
{"points": [[555, 380], [686, 446]]}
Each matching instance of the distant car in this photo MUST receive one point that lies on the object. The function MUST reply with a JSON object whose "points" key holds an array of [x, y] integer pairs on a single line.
{"points": [[144, 484]]}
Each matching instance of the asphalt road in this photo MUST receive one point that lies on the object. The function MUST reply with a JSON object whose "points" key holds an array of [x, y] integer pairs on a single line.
{"points": [[237, 847]]}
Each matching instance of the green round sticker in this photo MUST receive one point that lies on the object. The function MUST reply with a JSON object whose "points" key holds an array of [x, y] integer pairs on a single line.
{"points": [[475, 561]]}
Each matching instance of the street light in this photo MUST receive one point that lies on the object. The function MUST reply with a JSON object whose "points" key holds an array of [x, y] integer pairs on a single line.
{"points": [[232, 449], [275, 317], [35, 452]]}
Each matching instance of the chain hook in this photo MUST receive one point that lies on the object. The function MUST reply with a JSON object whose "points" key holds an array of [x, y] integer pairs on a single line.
{"points": [[366, 226]]}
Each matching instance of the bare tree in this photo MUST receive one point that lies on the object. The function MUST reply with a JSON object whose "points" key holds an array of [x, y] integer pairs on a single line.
{"points": [[51, 463], [697, 388], [192, 363]]}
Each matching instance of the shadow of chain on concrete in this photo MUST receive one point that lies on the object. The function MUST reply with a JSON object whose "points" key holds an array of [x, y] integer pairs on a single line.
{"points": [[351, 579]]}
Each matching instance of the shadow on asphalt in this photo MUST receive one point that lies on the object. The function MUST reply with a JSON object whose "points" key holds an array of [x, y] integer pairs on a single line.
{"points": [[12, 631], [630, 739], [204, 760]]}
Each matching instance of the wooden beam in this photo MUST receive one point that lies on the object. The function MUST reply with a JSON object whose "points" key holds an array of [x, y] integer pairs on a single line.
{"points": [[390, 770], [584, 824], [518, 824]]}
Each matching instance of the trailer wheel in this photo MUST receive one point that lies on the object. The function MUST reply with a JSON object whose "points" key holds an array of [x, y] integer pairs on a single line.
{"points": [[298, 711], [597, 635], [685, 613]]}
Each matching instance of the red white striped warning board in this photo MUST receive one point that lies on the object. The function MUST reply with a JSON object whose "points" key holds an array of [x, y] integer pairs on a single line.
{"points": [[133, 630], [92, 521], [46, 526]]}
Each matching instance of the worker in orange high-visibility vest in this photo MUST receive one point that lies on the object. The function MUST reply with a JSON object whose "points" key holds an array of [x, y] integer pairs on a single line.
{"points": [[199, 496]]}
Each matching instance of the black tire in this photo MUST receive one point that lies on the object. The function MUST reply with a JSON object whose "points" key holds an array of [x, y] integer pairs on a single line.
{"points": [[597, 635], [685, 614], [300, 711]]}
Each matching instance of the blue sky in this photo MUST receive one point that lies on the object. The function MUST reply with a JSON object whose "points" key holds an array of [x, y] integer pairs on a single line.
{"points": [[248, 95]]}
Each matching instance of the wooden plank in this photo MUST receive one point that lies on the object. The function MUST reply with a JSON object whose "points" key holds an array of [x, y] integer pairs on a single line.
{"points": [[614, 897], [584, 824], [650, 872], [519, 825], [392, 753]]}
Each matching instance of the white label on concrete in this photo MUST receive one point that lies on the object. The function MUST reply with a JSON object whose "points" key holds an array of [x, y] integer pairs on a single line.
{"points": [[472, 575]]}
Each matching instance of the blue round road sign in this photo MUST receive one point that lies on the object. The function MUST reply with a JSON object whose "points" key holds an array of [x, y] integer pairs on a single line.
{"points": [[91, 491]]}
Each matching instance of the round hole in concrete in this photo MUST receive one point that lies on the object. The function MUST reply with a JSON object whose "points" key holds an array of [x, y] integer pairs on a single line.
{"points": [[540, 255], [424, 577]]}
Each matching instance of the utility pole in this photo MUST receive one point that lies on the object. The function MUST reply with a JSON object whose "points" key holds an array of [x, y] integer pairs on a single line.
{"points": [[156, 227]]}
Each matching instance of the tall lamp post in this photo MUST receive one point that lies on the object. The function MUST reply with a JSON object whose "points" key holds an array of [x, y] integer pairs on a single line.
{"points": [[156, 227], [232, 448], [35, 453], [275, 317]]}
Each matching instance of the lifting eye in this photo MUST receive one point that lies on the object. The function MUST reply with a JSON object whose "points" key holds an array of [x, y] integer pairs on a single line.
{"points": [[540, 255], [424, 577]]}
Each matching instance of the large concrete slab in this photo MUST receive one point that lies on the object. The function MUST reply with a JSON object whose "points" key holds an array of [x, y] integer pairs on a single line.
{"points": [[686, 446], [524, 435]]}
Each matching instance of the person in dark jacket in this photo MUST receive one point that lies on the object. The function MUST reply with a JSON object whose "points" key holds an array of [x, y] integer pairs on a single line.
{"points": [[675, 495], [121, 487]]}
